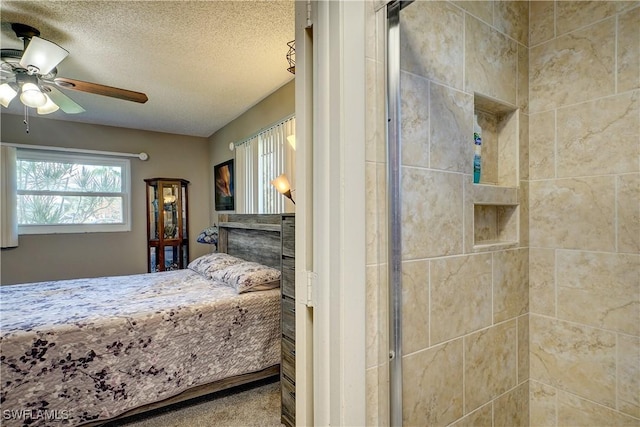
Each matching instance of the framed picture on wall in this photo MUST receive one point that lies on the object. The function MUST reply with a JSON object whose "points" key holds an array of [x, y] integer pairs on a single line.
{"points": [[224, 192]]}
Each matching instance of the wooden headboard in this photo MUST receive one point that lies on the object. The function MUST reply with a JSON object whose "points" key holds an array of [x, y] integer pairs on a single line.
{"points": [[253, 237]]}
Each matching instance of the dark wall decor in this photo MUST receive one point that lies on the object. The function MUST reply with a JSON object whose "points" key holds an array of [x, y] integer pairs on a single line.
{"points": [[224, 186]]}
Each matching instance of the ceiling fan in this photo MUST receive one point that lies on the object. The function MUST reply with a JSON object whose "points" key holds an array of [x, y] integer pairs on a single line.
{"points": [[32, 73]]}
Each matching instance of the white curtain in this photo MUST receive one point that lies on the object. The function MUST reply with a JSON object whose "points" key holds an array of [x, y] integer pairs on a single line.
{"points": [[8, 198], [276, 156], [259, 160], [246, 176]]}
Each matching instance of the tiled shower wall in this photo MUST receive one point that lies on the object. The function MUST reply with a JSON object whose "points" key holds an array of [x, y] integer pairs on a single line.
{"points": [[584, 222], [465, 312], [466, 325]]}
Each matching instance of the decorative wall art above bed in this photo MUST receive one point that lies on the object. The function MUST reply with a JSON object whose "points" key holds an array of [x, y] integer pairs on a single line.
{"points": [[224, 186]]}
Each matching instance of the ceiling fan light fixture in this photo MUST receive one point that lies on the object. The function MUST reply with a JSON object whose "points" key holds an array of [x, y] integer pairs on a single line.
{"points": [[7, 93], [32, 96], [43, 55], [49, 107]]}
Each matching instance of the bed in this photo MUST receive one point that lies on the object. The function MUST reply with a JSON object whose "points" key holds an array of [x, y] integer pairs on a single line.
{"points": [[88, 351]]}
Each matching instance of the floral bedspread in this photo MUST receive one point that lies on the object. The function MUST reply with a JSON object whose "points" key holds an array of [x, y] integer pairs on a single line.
{"points": [[74, 351]]}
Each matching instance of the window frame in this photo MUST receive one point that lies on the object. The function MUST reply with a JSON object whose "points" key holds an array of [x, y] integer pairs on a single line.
{"points": [[70, 157]]}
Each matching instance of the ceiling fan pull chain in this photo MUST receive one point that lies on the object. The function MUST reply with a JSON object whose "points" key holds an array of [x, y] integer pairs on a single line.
{"points": [[26, 117]]}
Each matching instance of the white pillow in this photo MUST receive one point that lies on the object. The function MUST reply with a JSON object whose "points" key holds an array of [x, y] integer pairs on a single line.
{"points": [[210, 263], [248, 276]]}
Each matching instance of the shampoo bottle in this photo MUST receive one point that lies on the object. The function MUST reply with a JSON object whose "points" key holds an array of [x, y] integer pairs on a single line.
{"points": [[477, 159]]}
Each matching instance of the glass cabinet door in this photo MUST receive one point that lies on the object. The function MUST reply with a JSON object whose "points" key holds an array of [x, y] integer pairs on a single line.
{"points": [[170, 210], [168, 231]]}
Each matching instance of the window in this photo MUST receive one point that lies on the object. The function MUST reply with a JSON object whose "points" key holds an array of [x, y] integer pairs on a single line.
{"points": [[71, 193], [259, 160]]}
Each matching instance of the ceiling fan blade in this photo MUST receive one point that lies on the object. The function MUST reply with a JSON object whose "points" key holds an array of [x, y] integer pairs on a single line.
{"points": [[43, 55], [114, 92], [65, 103]]}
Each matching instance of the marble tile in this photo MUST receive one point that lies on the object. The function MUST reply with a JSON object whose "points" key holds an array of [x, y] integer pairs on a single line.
{"points": [[508, 160], [542, 285], [523, 348], [377, 396], [485, 224], [542, 140], [383, 315], [481, 417], [629, 375], [512, 19], [451, 130], [599, 289], [460, 296], [381, 33], [432, 385], [575, 358], [432, 214], [510, 284], [371, 390], [491, 195], [482, 10], [431, 42], [571, 15], [555, 206], [370, 30], [574, 411], [490, 364], [372, 211], [584, 129], [628, 212], [415, 120], [628, 48], [381, 214], [523, 79], [375, 131], [573, 68], [523, 200], [512, 408], [625, 5], [373, 328], [491, 61], [523, 146], [490, 147], [542, 405], [541, 21], [415, 306]]}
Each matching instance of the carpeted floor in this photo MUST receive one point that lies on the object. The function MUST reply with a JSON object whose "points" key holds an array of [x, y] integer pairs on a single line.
{"points": [[248, 405]]}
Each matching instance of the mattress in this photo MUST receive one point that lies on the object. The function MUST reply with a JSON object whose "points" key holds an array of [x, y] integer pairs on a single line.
{"points": [[80, 350]]}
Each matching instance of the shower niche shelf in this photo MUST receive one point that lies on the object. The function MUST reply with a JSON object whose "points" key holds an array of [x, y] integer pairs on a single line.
{"points": [[495, 226], [494, 212], [499, 123]]}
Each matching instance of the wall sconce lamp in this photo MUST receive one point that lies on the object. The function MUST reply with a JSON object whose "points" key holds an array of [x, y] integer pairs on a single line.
{"points": [[282, 185]]}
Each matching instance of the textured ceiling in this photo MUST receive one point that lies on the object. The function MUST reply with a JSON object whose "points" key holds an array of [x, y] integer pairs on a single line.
{"points": [[201, 63]]}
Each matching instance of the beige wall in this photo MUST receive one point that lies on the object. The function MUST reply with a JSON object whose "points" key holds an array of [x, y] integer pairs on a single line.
{"points": [[585, 225], [63, 256], [271, 109], [465, 306]]}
